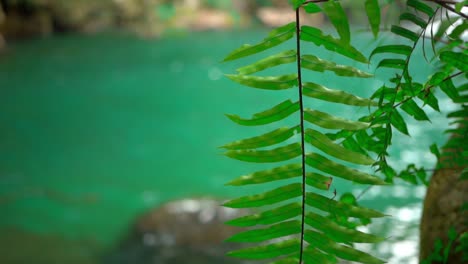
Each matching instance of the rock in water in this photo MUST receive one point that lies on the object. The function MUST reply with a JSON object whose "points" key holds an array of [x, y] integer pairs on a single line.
{"points": [[184, 231]]}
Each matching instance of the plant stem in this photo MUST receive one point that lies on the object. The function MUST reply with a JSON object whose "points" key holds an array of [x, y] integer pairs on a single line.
{"points": [[299, 80]]}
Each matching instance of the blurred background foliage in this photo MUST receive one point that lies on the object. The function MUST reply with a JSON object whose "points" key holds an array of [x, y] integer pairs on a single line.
{"points": [[151, 18]]}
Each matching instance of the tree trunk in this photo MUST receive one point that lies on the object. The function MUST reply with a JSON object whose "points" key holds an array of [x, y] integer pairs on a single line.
{"points": [[445, 197]]}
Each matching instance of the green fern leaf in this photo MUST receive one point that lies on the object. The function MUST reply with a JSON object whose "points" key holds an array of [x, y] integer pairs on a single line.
{"points": [[322, 142], [334, 207], [265, 156], [449, 89], [406, 33], [337, 232], [373, 14], [337, 16], [275, 38], [271, 197], [413, 18], [395, 49], [269, 83], [331, 122], [392, 63], [312, 255], [275, 231], [318, 180], [398, 122], [418, 5], [430, 100], [348, 253], [321, 92], [323, 164], [268, 217], [274, 114], [456, 59], [278, 173], [414, 110], [271, 138], [316, 36], [284, 57], [313, 63]]}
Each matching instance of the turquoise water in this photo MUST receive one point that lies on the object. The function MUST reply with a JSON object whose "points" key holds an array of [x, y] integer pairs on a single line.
{"points": [[97, 130]]}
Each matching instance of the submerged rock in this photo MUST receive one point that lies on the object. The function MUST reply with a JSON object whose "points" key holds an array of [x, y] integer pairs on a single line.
{"points": [[183, 231]]}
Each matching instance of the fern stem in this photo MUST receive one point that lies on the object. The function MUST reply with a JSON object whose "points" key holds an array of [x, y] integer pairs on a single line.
{"points": [[299, 81]]}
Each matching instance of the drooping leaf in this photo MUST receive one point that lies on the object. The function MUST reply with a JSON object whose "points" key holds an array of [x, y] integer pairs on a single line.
{"points": [[268, 217], [276, 37], [322, 142], [269, 62], [331, 122], [398, 122], [316, 36], [411, 108], [275, 231], [392, 63], [323, 164], [323, 93], [373, 14], [277, 195], [449, 89], [271, 138], [265, 156], [268, 83], [406, 33], [338, 18], [314, 63], [274, 114], [418, 5], [268, 251], [351, 144], [279, 173], [429, 99], [456, 59], [458, 31], [413, 18], [334, 207]]}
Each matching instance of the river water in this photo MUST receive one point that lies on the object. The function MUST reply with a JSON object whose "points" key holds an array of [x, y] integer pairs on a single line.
{"points": [[97, 130]]}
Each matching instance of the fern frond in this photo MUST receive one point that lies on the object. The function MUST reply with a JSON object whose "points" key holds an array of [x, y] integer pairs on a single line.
{"points": [[294, 223]]}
